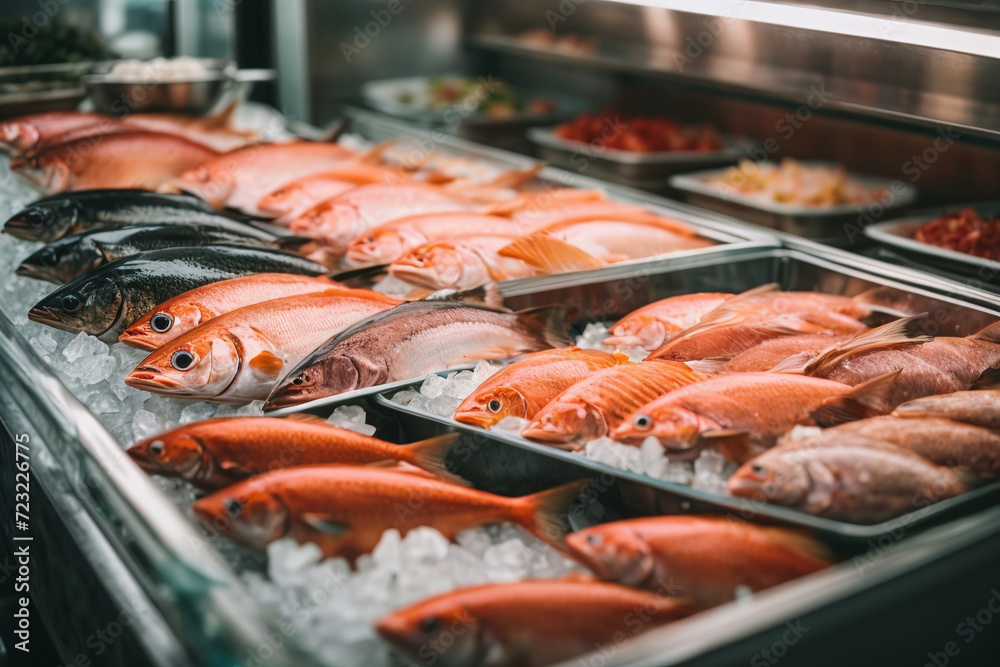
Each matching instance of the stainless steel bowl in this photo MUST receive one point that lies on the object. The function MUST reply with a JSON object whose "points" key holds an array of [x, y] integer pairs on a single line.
{"points": [[222, 83]]}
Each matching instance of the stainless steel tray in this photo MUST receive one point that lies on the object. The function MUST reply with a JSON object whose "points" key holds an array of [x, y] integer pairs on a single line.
{"points": [[837, 225], [898, 234]]}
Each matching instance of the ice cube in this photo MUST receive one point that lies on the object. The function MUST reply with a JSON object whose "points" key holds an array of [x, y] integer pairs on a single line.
{"points": [[433, 385], [145, 425], [634, 352], [197, 412], [484, 370], [387, 554], [507, 561], [614, 453], [405, 397], [511, 425], [287, 560], [464, 567], [87, 360], [423, 544], [352, 418], [475, 540], [593, 337], [711, 470]]}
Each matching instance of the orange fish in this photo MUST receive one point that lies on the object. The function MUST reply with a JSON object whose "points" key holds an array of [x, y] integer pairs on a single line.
{"points": [[594, 406], [239, 178], [218, 452], [761, 314], [215, 131], [35, 132], [527, 624], [143, 160], [237, 357], [980, 408], [345, 509], [653, 325], [853, 479], [526, 386], [184, 312], [460, 263], [587, 211], [703, 558], [747, 412]]}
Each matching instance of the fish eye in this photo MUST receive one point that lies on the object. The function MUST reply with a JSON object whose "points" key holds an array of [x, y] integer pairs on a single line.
{"points": [[156, 447], [494, 406], [233, 507], [643, 422], [595, 540], [181, 360], [298, 380], [161, 322], [759, 470], [430, 624], [71, 303]]}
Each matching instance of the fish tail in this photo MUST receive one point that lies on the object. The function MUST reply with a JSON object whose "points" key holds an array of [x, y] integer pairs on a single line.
{"points": [[892, 335], [548, 518], [550, 254], [809, 546], [550, 324], [875, 297], [298, 244], [868, 399], [430, 455], [487, 294], [990, 334]]}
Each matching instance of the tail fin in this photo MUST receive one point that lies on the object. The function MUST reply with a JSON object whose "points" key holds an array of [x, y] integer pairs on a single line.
{"points": [[990, 334], [487, 295], [550, 254], [892, 335], [868, 399], [549, 509], [876, 299], [549, 324], [430, 455]]}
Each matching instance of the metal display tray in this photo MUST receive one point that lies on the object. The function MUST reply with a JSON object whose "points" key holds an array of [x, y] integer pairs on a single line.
{"points": [[898, 234], [835, 225]]}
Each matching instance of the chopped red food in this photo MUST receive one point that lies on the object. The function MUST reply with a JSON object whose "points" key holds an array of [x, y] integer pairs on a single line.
{"points": [[643, 134], [965, 231]]}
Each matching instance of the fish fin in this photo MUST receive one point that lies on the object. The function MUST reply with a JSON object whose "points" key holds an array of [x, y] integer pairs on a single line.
{"points": [[234, 469], [305, 418], [990, 334], [620, 357], [324, 524], [549, 323], [990, 379], [430, 455], [892, 335], [733, 443], [364, 277], [222, 119], [873, 296], [488, 353], [267, 364], [868, 399], [550, 254], [515, 177], [795, 364], [383, 464], [804, 543], [549, 512], [376, 155], [708, 366], [487, 294]]}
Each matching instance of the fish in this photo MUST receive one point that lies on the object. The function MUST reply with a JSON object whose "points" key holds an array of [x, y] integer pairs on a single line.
{"points": [[338, 221], [176, 316], [704, 558], [72, 256], [858, 482], [388, 242], [460, 263], [769, 355], [569, 213], [239, 178], [414, 339], [760, 314], [526, 386], [345, 509], [653, 325], [237, 357], [939, 440], [215, 131], [581, 245], [594, 406], [26, 134], [525, 204], [527, 623], [979, 408], [747, 412], [108, 300], [939, 366], [143, 160], [69, 213], [216, 453]]}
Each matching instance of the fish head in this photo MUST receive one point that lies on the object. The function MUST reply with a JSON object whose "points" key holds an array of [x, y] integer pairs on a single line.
{"points": [[381, 246], [247, 512], [486, 408], [212, 183], [199, 364], [331, 375], [614, 553], [441, 266], [564, 422], [18, 136], [62, 260], [641, 330], [43, 221], [177, 452], [784, 480], [47, 171], [92, 303], [333, 222], [282, 200], [162, 325], [438, 622], [677, 428]]}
